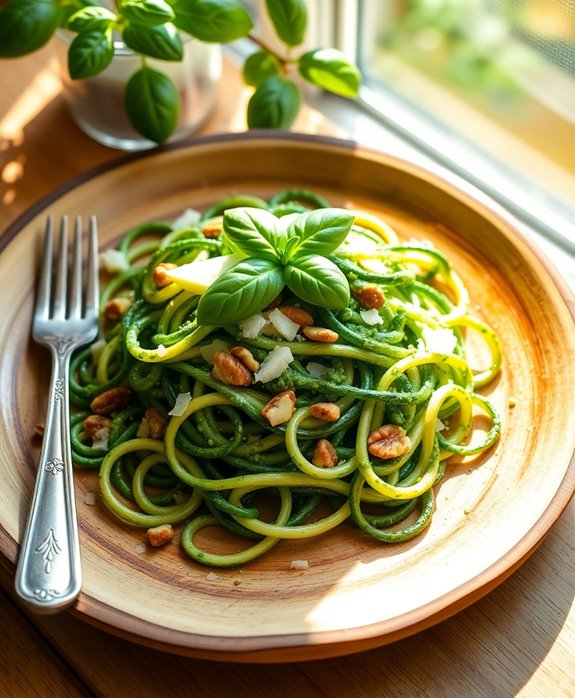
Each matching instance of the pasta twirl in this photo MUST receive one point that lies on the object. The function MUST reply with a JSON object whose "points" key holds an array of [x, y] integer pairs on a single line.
{"points": [[378, 389]]}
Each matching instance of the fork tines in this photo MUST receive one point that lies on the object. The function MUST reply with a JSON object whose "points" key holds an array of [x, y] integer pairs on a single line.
{"points": [[78, 300]]}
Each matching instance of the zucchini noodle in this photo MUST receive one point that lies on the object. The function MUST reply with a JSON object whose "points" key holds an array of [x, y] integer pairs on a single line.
{"points": [[382, 397]]}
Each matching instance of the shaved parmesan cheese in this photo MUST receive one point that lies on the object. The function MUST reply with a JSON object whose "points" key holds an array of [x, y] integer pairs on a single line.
{"points": [[199, 275], [282, 323], [299, 565], [252, 326], [358, 244], [90, 498], [274, 364], [374, 265], [100, 439], [440, 340], [317, 370], [181, 404], [113, 261], [371, 316], [439, 425], [161, 350], [210, 350], [186, 219]]}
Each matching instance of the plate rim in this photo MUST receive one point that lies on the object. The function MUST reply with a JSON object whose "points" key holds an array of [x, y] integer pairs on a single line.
{"points": [[325, 643]]}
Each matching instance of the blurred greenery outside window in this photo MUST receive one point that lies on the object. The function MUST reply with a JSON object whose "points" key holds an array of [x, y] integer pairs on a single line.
{"points": [[499, 74]]}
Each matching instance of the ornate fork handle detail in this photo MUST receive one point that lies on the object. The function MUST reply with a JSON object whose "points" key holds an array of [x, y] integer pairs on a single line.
{"points": [[49, 572]]}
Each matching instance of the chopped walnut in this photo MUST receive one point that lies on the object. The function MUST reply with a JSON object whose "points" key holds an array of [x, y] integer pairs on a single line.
{"points": [[389, 441], [230, 370], [116, 308], [328, 411], [369, 296], [325, 455], [156, 423], [280, 408], [111, 401], [160, 535], [246, 357], [213, 228], [321, 334], [298, 315], [39, 431], [159, 275], [94, 423]]}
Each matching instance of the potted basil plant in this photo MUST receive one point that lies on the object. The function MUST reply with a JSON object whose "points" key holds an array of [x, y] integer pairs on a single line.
{"points": [[155, 33]]}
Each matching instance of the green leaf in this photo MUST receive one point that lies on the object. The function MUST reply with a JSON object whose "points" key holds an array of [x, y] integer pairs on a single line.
{"points": [[90, 53], [73, 6], [218, 21], [274, 104], [318, 281], [240, 292], [161, 41], [254, 231], [26, 25], [152, 104], [260, 66], [320, 231], [90, 18], [329, 69], [289, 18], [149, 12]]}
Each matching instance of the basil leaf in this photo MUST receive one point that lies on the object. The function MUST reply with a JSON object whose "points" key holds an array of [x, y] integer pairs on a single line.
{"points": [[260, 66], [90, 53], [289, 18], [240, 292], [152, 104], [147, 11], [217, 21], [318, 281], [90, 18], [73, 6], [274, 104], [320, 231], [162, 41], [254, 231], [329, 69], [26, 25]]}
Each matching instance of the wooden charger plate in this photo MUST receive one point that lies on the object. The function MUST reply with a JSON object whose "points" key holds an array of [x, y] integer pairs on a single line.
{"points": [[491, 511]]}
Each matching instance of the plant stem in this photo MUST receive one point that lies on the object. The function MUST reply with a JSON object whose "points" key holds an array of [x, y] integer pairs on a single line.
{"points": [[283, 61]]}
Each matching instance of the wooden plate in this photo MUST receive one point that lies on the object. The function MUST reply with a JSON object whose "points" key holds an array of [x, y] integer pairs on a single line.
{"points": [[491, 512]]}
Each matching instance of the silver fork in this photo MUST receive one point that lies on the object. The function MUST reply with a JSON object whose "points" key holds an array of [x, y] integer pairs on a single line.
{"points": [[48, 574]]}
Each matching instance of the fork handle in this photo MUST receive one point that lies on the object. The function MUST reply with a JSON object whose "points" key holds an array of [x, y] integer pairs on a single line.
{"points": [[48, 574]]}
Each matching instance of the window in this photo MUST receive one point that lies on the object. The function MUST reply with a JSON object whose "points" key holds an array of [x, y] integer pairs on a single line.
{"points": [[487, 87]]}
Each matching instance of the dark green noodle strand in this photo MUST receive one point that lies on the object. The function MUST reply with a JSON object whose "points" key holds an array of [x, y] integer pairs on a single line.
{"points": [[218, 458], [233, 202], [227, 521], [354, 271], [300, 196], [383, 343], [155, 228], [280, 210], [370, 524]]}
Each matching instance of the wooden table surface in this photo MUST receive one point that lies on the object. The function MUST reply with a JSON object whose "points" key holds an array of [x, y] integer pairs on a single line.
{"points": [[517, 640]]}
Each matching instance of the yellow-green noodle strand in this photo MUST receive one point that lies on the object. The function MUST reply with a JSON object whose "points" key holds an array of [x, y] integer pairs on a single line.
{"points": [[216, 460]]}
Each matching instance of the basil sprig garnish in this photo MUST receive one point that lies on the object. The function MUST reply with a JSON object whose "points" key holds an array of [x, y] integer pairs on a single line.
{"points": [[288, 251]]}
